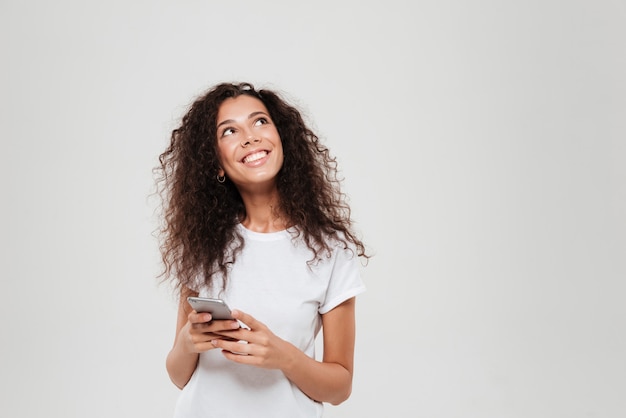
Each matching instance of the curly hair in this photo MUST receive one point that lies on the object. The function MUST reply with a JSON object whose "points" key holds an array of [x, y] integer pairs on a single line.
{"points": [[200, 214]]}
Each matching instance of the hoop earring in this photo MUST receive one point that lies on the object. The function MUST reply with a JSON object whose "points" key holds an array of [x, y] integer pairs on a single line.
{"points": [[221, 179]]}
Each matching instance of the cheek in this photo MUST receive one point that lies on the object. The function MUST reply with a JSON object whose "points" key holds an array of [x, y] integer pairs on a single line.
{"points": [[224, 151], [282, 154], [281, 150]]}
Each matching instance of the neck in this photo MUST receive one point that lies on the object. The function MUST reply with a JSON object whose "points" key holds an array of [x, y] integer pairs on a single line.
{"points": [[263, 213]]}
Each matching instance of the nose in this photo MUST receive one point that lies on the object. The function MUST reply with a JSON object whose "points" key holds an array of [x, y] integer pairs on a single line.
{"points": [[249, 140]]}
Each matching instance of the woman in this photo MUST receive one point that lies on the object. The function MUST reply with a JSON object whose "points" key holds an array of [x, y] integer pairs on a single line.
{"points": [[253, 214]]}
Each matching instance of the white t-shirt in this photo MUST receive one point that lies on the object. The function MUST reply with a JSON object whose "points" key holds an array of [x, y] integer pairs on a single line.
{"points": [[271, 281]]}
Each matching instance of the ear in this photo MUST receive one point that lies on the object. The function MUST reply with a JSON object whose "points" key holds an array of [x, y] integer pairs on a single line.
{"points": [[221, 172]]}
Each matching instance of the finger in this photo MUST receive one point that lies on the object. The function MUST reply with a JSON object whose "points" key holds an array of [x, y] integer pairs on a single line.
{"points": [[202, 327], [207, 337], [235, 335], [196, 318], [203, 346], [215, 326], [247, 319], [223, 325], [239, 347]]}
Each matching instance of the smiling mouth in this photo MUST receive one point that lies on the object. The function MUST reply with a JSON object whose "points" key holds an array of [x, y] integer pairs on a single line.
{"points": [[254, 157]]}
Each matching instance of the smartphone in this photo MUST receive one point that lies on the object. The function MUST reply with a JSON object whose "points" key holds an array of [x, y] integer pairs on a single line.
{"points": [[216, 307]]}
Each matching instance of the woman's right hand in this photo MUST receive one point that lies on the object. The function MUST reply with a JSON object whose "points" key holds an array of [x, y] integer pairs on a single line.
{"points": [[200, 330]]}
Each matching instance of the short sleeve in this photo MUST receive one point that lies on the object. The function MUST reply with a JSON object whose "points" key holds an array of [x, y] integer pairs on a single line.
{"points": [[345, 280]]}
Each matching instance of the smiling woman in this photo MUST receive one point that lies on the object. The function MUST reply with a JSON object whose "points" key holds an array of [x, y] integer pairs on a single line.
{"points": [[250, 148], [254, 215]]}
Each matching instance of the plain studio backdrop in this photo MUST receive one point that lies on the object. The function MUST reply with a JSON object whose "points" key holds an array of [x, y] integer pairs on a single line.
{"points": [[483, 146]]}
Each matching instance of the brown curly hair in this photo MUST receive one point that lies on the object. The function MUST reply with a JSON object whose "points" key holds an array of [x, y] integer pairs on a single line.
{"points": [[200, 214]]}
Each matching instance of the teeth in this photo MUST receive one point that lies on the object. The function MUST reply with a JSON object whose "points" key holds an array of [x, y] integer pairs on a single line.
{"points": [[256, 156]]}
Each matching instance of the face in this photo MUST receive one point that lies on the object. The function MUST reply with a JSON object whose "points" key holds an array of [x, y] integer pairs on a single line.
{"points": [[250, 149]]}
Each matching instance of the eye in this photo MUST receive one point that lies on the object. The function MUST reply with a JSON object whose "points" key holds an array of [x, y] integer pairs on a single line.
{"points": [[261, 121], [228, 131]]}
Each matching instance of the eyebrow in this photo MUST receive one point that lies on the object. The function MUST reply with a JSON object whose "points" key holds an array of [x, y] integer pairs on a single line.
{"points": [[250, 116]]}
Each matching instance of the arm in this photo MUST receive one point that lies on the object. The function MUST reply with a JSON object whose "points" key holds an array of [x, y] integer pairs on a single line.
{"points": [[181, 361], [331, 380], [194, 332], [327, 381]]}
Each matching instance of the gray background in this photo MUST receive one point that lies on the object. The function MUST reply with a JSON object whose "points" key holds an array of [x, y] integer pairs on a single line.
{"points": [[483, 146]]}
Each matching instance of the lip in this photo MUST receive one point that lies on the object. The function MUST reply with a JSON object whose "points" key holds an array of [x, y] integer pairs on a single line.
{"points": [[256, 162]]}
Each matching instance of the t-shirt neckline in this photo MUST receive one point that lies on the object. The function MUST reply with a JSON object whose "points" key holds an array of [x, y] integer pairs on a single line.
{"points": [[265, 236]]}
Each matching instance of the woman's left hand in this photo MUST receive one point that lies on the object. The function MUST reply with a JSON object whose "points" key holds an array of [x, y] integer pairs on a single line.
{"points": [[257, 346]]}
